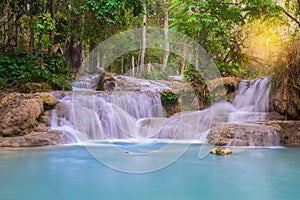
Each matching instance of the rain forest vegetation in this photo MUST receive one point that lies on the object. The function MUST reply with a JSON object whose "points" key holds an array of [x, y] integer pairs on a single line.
{"points": [[47, 40]]}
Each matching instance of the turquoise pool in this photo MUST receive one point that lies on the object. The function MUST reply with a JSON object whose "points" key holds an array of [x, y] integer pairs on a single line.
{"points": [[71, 172]]}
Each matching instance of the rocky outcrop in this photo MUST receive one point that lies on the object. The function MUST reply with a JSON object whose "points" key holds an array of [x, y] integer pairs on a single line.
{"points": [[285, 99], [226, 84], [23, 115], [267, 133], [106, 82], [37, 139], [19, 118]]}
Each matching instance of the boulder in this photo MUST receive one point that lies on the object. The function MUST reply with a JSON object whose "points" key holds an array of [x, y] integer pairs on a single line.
{"points": [[221, 151], [48, 100], [19, 117], [21, 114], [106, 82]]}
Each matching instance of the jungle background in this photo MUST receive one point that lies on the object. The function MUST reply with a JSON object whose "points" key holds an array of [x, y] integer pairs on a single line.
{"points": [[47, 40]]}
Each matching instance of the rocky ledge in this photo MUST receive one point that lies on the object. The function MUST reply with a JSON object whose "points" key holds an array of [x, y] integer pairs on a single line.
{"points": [[24, 120], [265, 133]]}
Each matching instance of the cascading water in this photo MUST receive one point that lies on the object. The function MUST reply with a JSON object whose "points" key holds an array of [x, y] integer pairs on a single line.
{"points": [[102, 115], [251, 101], [139, 114]]}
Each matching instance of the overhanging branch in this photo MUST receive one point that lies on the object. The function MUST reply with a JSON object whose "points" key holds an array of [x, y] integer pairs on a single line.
{"points": [[290, 16]]}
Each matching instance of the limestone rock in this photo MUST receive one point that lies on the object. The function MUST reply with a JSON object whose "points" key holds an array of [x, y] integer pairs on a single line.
{"points": [[265, 133], [245, 135], [21, 114], [49, 101], [19, 117], [37, 139], [106, 82]]}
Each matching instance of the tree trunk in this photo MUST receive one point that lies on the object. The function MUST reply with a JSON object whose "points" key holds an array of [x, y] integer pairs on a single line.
{"points": [[122, 64], [132, 65], [144, 44], [31, 41], [298, 1], [149, 67], [167, 47], [184, 59], [10, 28], [75, 54], [52, 11]]}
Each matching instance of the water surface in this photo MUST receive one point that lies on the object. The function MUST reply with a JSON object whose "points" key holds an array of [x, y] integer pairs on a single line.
{"points": [[71, 172]]}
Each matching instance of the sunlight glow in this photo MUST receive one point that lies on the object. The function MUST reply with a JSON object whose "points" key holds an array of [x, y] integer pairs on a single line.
{"points": [[264, 42]]}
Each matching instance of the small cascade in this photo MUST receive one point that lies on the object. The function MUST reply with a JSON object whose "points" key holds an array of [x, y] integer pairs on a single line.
{"points": [[251, 101], [85, 82], [268, 138], [138, 113]]}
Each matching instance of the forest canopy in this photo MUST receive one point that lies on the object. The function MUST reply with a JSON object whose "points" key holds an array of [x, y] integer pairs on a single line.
{"points": [[248, 38]]}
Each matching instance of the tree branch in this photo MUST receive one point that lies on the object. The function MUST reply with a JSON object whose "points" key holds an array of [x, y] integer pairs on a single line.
{"points": [[290, 16]]}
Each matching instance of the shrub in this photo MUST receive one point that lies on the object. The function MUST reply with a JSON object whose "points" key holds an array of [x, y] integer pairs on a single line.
{"points": [[18, 67]]}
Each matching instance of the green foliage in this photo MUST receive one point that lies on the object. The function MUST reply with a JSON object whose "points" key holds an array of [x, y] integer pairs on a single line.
{"points": [[168, 96], [217, 25], [20, 67], [193, 76], [198, 84], [45, 24], [286, 81]]}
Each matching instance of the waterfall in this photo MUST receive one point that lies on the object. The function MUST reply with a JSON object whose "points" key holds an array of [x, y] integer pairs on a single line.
{"points": [[251, 101], [91, 115], [115, 115]]}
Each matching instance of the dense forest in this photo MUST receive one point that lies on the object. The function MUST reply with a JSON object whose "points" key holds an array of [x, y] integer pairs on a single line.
{"points": [[47, 40]]}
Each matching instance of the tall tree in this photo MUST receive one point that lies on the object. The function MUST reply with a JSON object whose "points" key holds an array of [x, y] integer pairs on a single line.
{"points": [[144, 42], [167, 43]]}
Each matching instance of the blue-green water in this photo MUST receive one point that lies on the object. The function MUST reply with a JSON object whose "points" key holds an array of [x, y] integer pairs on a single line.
{"points": [[71, 172]]}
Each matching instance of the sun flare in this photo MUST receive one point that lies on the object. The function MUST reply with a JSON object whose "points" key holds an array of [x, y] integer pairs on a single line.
{"points": [[264, 42]]}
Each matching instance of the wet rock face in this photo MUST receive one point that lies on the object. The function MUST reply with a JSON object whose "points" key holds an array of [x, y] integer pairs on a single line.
{"points": [[21, 114], [267, 133]]}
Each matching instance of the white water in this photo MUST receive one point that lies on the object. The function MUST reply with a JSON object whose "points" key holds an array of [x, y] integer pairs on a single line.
{"points": [[140, 115], [251, 101]]}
